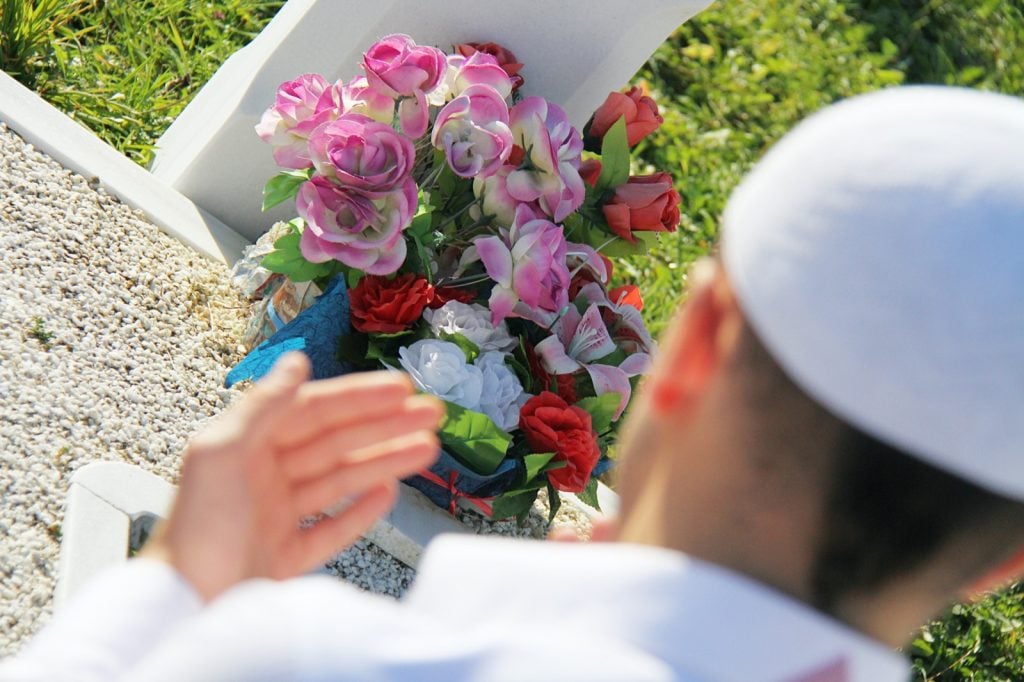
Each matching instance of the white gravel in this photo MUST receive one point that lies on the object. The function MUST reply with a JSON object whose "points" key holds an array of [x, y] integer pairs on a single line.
{"points": [[114, 342]]}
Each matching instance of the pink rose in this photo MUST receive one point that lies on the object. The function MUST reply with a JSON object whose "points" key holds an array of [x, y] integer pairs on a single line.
{"points": [[550, 175], [527, 264], [479, 68], [360, 153], [399, 68], [360, 98], [360, 231], [473, 131], [300, 106], [506, 59]]}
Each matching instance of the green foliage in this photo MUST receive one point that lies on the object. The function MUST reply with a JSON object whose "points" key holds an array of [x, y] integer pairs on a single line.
{"points": [[614, 157], [31, 30], [602, 410], [282, 187], [126, 69], [474, 439], [40, 333], [287, 259], [983, 641]]}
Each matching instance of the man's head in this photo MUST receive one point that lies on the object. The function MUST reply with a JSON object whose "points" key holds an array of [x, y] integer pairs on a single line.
{"points": [[839, 408]]}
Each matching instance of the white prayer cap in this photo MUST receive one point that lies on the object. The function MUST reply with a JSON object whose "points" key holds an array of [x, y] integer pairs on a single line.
{"points": [[878, 252]]}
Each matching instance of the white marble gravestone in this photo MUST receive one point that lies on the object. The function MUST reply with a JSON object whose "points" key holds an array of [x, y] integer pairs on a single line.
{"points": [[574, 51]]}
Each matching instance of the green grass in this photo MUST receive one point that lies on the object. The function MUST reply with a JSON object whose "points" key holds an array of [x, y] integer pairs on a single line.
{"points": [[731, 82]]}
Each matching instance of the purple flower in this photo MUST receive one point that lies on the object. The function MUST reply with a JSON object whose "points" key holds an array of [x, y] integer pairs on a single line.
{"points": [[362, 232], [527, 264], [399, 68], [473, 131], [300, 106], [550, 174], [360, 153]]}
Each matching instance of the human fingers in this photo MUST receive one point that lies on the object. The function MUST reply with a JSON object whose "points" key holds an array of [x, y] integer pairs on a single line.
{"points": [[313, 546], [365, 469], [323, 454], [257, 413], [333, 403]]}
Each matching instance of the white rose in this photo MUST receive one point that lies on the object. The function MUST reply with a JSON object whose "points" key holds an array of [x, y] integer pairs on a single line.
{"points": [[473, 322], [439, 368], [502, 395]]}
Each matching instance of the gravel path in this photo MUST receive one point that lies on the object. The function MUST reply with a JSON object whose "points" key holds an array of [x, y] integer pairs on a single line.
{"points": [[114, 341]]}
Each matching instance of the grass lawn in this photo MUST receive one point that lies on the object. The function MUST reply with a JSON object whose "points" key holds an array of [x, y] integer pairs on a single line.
{"points": [[730, 83]]}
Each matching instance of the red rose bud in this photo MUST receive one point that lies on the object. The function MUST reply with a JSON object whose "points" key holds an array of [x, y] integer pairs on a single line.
{"points": [[627, 294], [646, 203], [641, 112], [590, 171], [552, 425], [506, 60], [379, 304], [444, 294]]}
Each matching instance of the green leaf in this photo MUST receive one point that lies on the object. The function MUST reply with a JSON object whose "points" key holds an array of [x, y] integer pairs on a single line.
{"points": [[283, 187], [602, 410], [614, 157], [468, 347], [554, 502], [589, 494], [287, 259], [535, 464], [513, 504], [474, 439]]}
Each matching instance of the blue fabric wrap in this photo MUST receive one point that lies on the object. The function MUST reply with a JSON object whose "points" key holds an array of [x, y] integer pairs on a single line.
{"points": [[315, 331]]}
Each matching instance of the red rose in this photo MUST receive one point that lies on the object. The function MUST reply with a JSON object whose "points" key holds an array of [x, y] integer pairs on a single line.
{"points": [[506, 60], [646, 203], [552, 425], [444, 294], [627, 294], [379, 304], [641, 112]]}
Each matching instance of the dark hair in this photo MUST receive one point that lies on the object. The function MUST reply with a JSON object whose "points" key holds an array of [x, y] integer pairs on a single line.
{"points": [[885, 512]]}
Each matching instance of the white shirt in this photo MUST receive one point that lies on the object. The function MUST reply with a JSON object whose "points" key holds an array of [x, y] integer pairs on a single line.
{"points": [[481, 609]]}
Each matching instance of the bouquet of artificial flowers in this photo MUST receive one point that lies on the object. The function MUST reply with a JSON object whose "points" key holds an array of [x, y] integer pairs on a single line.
{"points": [[468, 231]]}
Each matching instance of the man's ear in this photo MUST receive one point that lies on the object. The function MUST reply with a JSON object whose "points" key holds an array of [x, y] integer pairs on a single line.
{"points": [[1006, 572], [702, 336]]}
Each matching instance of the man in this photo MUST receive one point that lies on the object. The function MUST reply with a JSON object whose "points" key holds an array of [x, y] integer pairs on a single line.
{"points": [[828, 452]]}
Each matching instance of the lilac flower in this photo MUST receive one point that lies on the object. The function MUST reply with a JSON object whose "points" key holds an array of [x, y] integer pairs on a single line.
{"points": [[580, 341], [527, 264], [300, 106], [473, 131], [550, 173]]}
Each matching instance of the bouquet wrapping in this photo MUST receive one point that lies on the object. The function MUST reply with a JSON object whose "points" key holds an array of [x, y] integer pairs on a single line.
{"points": [[463, 232]]}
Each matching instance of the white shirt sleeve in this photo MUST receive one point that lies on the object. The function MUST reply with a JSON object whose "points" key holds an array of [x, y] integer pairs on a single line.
{"points": [[107, 627]]}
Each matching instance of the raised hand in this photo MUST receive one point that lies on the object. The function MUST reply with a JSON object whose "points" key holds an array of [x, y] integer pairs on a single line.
{"points": [[286, 451]]}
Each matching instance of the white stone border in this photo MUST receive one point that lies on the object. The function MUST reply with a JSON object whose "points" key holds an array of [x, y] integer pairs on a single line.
{"points": [[79, 150], [103, 501]]}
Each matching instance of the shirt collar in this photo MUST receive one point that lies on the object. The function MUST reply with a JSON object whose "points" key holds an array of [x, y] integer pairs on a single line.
{"points": [[704, 620]]}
